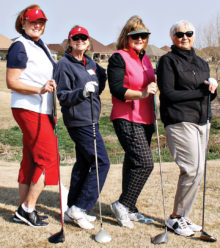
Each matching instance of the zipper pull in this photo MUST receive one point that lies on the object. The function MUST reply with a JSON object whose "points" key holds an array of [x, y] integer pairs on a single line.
{"points": [[194, 73]]}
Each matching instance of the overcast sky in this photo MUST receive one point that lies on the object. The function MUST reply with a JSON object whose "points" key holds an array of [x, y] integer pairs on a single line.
{"points": [[104, 19]]}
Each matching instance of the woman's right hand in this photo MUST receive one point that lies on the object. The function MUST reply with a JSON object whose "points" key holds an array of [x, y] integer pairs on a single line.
{"points": [[151, 89], [50, 86]]}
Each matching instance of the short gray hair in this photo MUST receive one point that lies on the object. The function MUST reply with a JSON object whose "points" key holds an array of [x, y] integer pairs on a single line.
{"points": [[181, 23]]}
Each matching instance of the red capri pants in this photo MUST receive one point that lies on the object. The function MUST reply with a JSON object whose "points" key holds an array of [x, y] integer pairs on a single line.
{"points": [[39, 147]]}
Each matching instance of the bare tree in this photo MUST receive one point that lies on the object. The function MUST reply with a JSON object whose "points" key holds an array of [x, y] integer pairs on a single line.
{"points": [[208, 35], [208, 40]]}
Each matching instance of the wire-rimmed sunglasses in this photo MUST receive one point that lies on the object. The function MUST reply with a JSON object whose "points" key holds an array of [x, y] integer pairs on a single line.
{"points": [[79, 37], [181, 34], [142, 35]]}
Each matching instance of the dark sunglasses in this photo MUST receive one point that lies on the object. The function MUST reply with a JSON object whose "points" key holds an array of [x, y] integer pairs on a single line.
{"points": [[181, 34], [79, 37], [142, 35]]}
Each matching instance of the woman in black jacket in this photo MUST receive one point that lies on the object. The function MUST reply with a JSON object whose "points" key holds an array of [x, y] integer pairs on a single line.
{"points": [[185, 94]]}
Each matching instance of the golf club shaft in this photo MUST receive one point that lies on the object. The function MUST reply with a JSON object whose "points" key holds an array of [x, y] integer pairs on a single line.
{"points": [[96, 157], [205, 165], [58, 156], [159, 155]]}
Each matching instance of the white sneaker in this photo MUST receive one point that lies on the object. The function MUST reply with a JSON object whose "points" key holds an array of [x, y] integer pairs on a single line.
{"points": [[78, 216], [194, 227], [121, 214], [90, 218], [179, 226], [140, 218]]}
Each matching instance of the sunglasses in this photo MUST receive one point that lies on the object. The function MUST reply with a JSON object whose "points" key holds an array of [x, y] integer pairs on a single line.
{"points": [[142, 35], [181, 34], [79, 37]]}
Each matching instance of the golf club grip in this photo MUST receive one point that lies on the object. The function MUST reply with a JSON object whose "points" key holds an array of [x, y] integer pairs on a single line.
{"points": [[54, 103], [92, 107]]}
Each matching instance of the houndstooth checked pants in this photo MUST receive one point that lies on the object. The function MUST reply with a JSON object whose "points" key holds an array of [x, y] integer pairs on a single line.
{"points": [[138, 163]]}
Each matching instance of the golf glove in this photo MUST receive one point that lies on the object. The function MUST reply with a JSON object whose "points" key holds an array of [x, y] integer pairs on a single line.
{"points": [[213, 81], [89, 88]]}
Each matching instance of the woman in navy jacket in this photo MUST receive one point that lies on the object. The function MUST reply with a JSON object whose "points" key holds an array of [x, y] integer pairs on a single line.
{"points": [[77, 75]]}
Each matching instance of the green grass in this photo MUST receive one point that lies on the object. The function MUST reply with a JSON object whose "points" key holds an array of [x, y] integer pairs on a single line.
{"points": [[11, 139]]}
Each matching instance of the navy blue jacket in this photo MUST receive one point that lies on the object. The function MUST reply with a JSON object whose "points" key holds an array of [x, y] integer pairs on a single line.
{"points": [[71, 76]]}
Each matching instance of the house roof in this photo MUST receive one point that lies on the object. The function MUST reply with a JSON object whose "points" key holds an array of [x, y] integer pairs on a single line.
{"points": [[56, 47], [166, 48], [4, 42], [154, 51], [112, 46], [95, 46]]}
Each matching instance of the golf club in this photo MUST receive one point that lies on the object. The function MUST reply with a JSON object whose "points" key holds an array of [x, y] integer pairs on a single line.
{"points": [[205, 236], [102, 236], [58, 237], [162, 237]]}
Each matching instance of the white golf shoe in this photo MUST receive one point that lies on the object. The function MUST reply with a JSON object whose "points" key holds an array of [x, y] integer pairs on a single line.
{"points": [[138, 217], [179, 226], [79, 217], [194, 227], [121, 214]]}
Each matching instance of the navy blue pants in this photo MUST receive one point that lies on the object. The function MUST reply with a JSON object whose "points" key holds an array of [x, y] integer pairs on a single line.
{"points": [[83, 191]]}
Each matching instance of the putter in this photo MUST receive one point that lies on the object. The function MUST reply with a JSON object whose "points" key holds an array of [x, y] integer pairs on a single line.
{"points": [[162, 237], [58, 237], [102, 236], [205, 236]]}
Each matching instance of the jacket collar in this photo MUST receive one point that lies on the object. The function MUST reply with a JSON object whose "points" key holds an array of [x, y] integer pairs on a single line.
{"points": [[188, 55], [74, 60]]}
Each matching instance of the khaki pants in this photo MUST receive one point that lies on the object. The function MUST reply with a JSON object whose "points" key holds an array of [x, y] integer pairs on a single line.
{"points": [[187, 144]]}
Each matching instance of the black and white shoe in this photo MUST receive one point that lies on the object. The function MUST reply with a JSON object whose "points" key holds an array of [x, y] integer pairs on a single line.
{"points": [[32, 219], [179, 226], [194, 227], [41, 217]]}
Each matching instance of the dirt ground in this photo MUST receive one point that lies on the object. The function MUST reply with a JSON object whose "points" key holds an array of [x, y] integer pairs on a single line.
{"points": [[149, 203]]}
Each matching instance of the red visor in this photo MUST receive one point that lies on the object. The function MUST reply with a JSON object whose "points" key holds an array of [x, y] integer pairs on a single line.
{"points": [[34, 14], [78, 30]]}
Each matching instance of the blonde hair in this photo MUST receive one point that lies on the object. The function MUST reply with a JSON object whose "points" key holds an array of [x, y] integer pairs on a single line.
{"points": [[134, 23], [20, 19]]}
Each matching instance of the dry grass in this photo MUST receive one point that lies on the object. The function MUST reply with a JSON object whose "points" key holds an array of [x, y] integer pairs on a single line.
{"points": [[149, 202]]}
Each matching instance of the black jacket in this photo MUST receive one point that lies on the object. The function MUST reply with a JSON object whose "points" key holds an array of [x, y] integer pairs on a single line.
{"points": [[71, 76], [183, 94]]}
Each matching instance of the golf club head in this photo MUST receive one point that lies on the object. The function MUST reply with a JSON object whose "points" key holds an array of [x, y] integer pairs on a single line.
{"points": [[206, 237], [102, 236], [160, 238], [57, 237]]}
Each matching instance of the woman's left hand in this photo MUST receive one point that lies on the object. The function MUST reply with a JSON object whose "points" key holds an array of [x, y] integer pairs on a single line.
{"points": [[50, 86], [213, 84]]}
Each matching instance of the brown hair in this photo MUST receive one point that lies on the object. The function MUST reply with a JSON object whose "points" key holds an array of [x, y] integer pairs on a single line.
{"points": [[134, 23], [69, 48], [20, 19]]}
